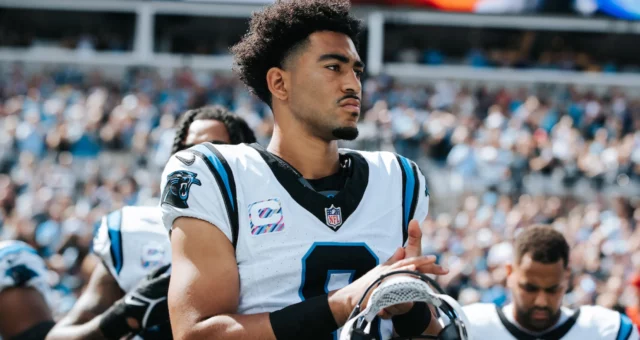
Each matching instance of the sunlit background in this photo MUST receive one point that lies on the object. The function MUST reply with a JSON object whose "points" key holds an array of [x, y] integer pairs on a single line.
{"points": [[517, 111]]}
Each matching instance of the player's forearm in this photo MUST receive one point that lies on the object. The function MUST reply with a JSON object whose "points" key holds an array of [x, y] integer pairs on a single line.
{"points": [[319, 315], [88, 330], [227, 327]]}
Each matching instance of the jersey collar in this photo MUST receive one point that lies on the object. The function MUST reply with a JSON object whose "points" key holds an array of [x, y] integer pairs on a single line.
{"points": [[556, 333], [333, 211]]}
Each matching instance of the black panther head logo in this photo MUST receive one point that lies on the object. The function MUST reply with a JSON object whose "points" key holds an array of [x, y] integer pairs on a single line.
{"points": [[176, 191], [20, 274]]}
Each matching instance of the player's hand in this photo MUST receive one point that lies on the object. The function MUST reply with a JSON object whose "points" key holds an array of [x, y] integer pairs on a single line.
{"points": [[412, 249], [344, 300], [414, 240], [142, 308]]}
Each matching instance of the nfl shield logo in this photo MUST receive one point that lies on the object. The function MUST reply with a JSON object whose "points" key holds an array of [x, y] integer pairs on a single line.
{"points": [[334, 216]]}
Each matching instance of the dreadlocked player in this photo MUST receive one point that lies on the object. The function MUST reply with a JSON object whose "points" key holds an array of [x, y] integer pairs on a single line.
{"points": [[132, 278]]}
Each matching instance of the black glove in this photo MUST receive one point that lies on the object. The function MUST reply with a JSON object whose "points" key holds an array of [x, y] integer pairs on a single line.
{"points": [[145, 306]]}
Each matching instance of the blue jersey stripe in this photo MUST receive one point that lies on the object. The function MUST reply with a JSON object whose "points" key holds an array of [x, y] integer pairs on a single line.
{"points": [[217, 164], [408, 191], [114, 224], [626, 327]]}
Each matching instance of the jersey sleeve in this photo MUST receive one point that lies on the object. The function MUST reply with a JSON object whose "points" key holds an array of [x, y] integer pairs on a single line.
{"points": [[627, 330], [609, 324], [190, 188]]}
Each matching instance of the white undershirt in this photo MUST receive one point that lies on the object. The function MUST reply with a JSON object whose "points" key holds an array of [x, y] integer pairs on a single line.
{"points": [[565, 314]]}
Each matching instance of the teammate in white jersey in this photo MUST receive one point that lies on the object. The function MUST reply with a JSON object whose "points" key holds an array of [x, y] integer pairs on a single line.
{"points": [[279, 243], [24, 293], [538, 279], [131, 243]]}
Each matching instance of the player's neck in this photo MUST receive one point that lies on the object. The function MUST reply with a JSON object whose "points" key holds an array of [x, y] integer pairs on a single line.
{"points": [[311, 156]]}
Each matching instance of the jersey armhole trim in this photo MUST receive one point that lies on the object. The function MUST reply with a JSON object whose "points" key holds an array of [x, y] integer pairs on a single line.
{"points": [[221, 171], [626, 328], [113, 275], [410, 188], [114, 230]]}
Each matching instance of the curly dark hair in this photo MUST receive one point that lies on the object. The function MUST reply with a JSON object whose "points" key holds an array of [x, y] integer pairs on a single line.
{"points": [[543, 243], [279, 29], [238, 129]]}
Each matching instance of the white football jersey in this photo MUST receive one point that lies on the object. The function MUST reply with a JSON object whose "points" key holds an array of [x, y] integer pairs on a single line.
{"points": [[131, 242], [487, 321], [21, 266], [291, 242]]}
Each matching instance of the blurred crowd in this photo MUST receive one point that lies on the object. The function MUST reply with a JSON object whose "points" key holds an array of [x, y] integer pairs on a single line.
{"points": [[475, 242], [85, 42], [558, 60], [526, 49], [500, 159], [546, 140], [76, 145]]}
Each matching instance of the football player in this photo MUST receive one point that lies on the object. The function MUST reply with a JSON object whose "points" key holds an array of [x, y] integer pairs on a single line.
{"points": [[24, 293], [538, 279], [279, 243], [131, 243]]}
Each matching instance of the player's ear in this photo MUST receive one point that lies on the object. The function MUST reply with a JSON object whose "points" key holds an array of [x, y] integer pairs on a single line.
{"points": [[509, 270], [277, 81]]}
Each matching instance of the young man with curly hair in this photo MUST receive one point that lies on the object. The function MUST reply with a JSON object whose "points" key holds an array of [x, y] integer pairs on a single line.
{"points": [[280, 243]]}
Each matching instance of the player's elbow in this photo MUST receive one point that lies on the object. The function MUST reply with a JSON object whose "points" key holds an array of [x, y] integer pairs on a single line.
{"points": [[183, 329], [192, 334], [215, 327], [58, 333], [187, 323], [184, 333]]}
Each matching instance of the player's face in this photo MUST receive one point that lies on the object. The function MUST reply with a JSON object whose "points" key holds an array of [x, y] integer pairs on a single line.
{"points": [[207, 130], [537, 291], [325, 86]]}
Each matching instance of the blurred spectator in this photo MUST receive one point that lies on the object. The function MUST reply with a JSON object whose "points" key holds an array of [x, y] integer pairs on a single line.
{"points": [[75, 145], [633, 310]]}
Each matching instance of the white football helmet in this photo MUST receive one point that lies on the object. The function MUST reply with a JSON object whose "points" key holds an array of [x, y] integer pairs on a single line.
{"points": [[407, 286]]}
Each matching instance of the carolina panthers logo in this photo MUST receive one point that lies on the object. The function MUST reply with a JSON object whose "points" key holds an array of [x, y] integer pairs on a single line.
{"points": [[20, 274], [176, 191]]}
